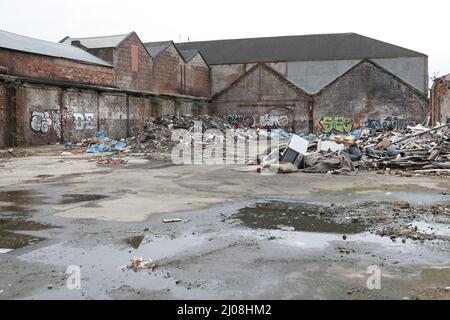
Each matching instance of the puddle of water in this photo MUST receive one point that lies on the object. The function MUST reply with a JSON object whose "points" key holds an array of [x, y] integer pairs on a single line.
{"points": [[294, 217], [21, 197], [76, 198], [10, 239], [135, 241]]}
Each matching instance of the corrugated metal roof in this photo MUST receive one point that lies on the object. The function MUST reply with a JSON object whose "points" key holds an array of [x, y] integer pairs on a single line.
{"points": [[98, 42], [155, 48], [343, 46], [26, 44]]}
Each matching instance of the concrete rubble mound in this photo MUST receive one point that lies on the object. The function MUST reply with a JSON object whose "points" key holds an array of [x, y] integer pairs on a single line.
{"points": [[157, 134]]}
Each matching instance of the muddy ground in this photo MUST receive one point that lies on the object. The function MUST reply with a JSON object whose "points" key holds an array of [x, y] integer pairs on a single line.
{"points": [[241, 235]]}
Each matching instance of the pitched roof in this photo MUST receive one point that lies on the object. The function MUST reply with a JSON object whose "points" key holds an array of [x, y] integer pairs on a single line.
{"points": [[270, 70], [156, 48], [17, 42], [188, 55], [341, 46], [382, 69], [98, 42]]}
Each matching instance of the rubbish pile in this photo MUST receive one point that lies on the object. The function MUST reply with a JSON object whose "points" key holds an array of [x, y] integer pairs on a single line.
{"points": [[157, 134], [100, 143], [137, 264], [421, 149]]}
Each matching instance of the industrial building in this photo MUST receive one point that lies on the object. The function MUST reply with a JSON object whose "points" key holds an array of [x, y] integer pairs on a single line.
{"points": [[56, 92]]}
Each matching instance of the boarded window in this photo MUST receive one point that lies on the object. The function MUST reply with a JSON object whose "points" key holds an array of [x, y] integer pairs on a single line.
{"points": [[135, 58]]}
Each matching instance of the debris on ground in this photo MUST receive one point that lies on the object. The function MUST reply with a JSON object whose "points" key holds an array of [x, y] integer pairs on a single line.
{"points": [[110, 162], [99, 144], [157, 134], [172, 220], [137, 264], [418, 150]]}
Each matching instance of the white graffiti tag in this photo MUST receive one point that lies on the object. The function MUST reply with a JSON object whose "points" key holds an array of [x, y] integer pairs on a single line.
{"points": [[40, 122], [84, 121], [272, 120]]}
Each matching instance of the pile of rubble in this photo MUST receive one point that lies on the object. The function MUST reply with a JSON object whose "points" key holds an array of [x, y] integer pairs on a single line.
{"points": [[422, 150], [157, 134], [109, 162], [100, 143]]}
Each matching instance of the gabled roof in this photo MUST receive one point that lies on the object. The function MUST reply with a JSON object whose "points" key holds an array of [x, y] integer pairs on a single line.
{"points": [[17, 42], [270, 70], [342, 46], [156, 48], [188, 55], [98, 42], [103, 42], [376, 65]]}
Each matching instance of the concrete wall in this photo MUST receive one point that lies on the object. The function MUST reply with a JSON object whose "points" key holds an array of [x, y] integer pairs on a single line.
{"points": [[50, 114], [261, 98], [38, 116], [42, 67], [368, 93], [312, 76], [222, 76], [79, 114]]}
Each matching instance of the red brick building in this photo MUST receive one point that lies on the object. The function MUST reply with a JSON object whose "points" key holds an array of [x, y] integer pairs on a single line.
{"points": [[131, 60], [32, 58]]}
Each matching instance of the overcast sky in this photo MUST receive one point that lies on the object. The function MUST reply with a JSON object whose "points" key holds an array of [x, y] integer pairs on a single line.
{"points": [[418, 25]]}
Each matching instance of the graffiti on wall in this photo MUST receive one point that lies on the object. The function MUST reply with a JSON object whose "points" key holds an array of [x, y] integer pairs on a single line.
{"points": [[266, 120], [269, 120], [56, 118], [41, 122], [336, 124], [242, 120], [390, 123], [84, 121]]}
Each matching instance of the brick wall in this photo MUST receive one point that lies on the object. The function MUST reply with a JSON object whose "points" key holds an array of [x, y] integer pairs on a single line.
{"points": [[5, 130], [126, 77], [49, 114], [43, 67], [167, 69], [367, 92], [261, 98], [440, 101], [196, 77]]}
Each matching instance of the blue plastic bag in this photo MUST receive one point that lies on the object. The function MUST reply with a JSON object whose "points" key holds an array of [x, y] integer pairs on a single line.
{"points": [[98, 148]]}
